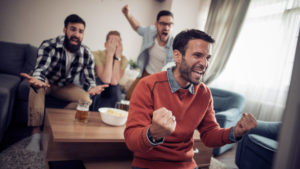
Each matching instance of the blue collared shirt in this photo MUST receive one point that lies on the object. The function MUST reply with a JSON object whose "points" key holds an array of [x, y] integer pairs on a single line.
{"points": [[149, 34]]}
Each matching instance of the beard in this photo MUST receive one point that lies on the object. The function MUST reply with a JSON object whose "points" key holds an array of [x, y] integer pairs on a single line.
{"points": [[70, 47], [186, 71]]}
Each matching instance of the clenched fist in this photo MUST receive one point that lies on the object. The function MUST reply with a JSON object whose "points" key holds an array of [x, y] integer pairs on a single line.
{"points": [[125, 10], [163, 123], [245, 124]]}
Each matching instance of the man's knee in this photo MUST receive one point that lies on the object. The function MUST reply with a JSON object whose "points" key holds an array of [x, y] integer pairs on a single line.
{"points": [[86, 98]]}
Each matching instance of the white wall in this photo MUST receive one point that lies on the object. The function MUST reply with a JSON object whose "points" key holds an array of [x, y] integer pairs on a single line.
{"points": [[32, 21], [187, 13]]}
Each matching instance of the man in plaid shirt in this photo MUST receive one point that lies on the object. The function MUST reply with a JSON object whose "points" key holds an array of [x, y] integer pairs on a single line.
{"points": [[65, 70]]}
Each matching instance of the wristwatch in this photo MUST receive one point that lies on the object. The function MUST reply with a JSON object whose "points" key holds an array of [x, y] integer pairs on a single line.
{"points": [[152, 140], [116, 58]]}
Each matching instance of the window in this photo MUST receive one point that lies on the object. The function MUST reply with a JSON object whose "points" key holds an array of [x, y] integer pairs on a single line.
{"points": [[261, 62]]}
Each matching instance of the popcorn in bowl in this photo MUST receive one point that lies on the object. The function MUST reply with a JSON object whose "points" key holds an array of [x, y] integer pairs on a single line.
{"points": [[112, 116], [115, 113]]}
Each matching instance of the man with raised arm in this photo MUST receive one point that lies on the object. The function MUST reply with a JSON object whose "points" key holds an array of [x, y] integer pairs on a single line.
{"points": [[156, 50]]}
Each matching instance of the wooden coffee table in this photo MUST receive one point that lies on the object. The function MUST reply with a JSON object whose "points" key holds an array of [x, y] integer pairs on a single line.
{"points": [[98, 145]]}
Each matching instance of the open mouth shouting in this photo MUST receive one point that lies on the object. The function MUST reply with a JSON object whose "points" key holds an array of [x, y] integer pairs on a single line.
{"points": [[164, 35], [74, 40]]}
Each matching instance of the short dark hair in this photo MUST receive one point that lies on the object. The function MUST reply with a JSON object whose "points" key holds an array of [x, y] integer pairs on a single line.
{"points": [[163, 13], [112, 33], [181, 40], [73, 18]]}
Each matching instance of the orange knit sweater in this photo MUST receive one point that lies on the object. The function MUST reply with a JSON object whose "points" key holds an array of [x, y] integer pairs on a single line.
{"points": [[192, 111]]}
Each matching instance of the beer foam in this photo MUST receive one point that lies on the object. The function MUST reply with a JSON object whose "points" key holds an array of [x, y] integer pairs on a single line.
{"points": [[82, 108]]}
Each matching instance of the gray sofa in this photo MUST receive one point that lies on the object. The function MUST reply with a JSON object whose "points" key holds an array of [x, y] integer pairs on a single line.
{"points": [[14, 59]]}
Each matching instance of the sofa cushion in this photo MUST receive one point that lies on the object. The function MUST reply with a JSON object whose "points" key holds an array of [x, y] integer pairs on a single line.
{"points": [[231, 116], [17, 58], [30, 58], [224, 100], [264, 142], [8, 87]]}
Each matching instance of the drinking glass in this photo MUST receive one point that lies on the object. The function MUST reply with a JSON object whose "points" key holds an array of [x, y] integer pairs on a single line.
{"points": [[123, 105], [82, 111]]}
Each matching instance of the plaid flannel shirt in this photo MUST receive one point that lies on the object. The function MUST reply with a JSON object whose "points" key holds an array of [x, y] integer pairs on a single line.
{"points": [[51, 64]]}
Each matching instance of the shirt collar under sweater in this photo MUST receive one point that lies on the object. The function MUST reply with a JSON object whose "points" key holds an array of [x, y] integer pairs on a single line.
{"points": [[173, 83]]}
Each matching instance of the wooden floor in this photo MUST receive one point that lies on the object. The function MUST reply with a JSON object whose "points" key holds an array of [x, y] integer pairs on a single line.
{"points": [[228, 158]]}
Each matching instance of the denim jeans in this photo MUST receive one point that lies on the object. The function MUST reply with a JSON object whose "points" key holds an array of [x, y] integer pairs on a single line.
{"points": [[107, 98]]}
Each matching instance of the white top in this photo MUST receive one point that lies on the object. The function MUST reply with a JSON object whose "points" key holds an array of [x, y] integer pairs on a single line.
{"points": [[157, 56], [69, 59]]}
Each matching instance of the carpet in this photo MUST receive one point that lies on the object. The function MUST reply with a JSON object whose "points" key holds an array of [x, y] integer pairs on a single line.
{"points": [[17, 157], [216, 164]]}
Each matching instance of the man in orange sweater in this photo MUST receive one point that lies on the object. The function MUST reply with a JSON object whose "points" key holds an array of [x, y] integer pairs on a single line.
{"points": [[167, 107]]}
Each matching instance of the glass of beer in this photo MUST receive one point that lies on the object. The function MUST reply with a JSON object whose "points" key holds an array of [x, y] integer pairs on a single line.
{"points": [[123, 105], [82, 111]]}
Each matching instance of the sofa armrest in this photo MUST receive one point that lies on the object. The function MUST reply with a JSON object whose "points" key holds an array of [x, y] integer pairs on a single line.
{"points": [[255, 151], [267, 129]]}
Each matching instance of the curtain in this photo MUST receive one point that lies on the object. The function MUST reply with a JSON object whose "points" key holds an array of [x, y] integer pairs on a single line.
{"points": [[261, 62], [223, 23]]}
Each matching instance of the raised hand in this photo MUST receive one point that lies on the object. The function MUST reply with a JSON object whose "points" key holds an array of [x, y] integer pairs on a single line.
{"points": [[163, 123], [133, 22], [125, 10], [245, 124], [97, 90], [34, 81]]}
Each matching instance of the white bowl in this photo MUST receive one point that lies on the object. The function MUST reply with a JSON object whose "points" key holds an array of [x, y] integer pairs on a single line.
{"points": [[112, 116]]}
